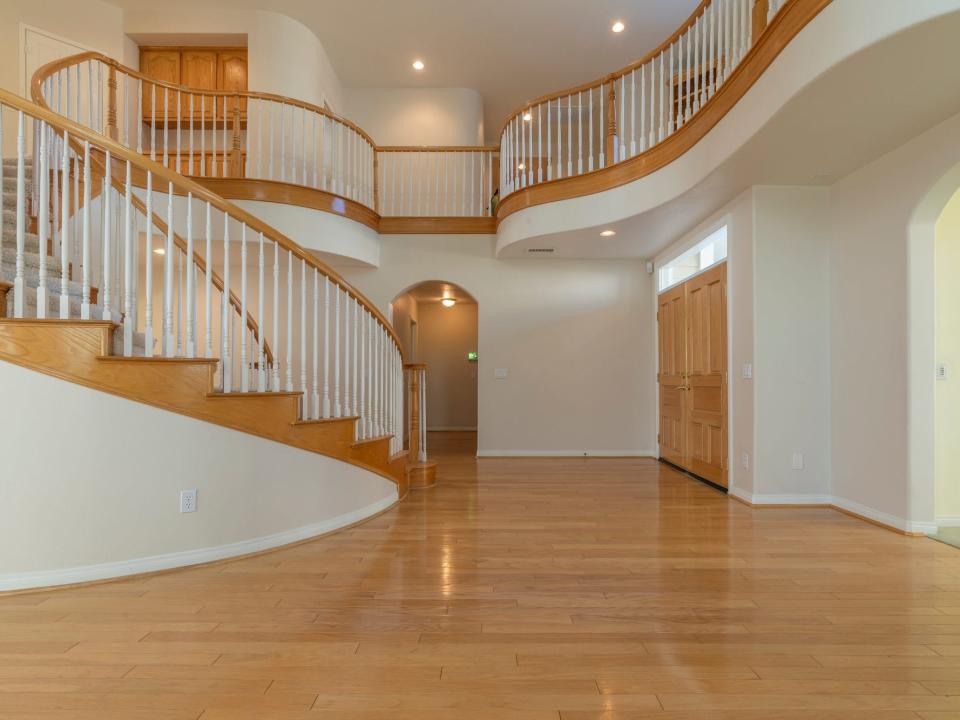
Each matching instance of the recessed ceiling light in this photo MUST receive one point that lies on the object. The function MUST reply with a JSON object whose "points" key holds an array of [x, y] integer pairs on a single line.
{"points": [[418, 65], [159, 251], [527, 116], [608, 233], [618, 27], [448, 302]]}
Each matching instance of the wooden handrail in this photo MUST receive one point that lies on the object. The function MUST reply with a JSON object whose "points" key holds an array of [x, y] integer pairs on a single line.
{"points": [[41, 111]]}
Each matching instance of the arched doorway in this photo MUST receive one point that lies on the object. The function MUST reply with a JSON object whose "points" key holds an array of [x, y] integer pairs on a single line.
{"points": [[934, 333], [437, 322]]}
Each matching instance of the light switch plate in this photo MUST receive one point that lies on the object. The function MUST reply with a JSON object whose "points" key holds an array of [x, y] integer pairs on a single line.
{"points": [[500, 373], [747, 371]]}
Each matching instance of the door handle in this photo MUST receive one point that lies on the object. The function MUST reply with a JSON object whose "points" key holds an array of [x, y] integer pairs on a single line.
{"points": [[682, 387]]}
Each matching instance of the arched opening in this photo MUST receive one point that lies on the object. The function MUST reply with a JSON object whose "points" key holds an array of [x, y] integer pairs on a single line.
{"points": [[437, 323], [934, 350]]}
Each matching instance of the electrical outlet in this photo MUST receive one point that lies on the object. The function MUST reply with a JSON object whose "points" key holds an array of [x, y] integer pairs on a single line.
{"points": [[745, 460], [188, 501], [797, 461]]}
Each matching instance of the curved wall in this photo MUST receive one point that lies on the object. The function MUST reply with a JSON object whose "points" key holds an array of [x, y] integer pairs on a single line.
{"points": [[91, 487]]}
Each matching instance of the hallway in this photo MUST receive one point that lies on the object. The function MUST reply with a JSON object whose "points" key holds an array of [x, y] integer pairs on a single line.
{"points": [[517, 588]]}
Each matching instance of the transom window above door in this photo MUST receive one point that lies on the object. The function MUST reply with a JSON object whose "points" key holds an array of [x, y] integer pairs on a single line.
{"points": [[705, 254]]}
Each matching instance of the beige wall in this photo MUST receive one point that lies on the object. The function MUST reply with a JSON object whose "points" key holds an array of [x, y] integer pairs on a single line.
{"points": [[574, 336], [417, 116], [285, 57], [446, 335], [948, 350]]}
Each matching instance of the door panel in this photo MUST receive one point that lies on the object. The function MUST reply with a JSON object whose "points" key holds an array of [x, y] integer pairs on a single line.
{"points": [[160, 65], [672, 350], [200, 71], [693, 375], [232, 75]]}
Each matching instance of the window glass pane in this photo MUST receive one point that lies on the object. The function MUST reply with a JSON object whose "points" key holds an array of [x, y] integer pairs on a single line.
{"points": [[706, 253]]}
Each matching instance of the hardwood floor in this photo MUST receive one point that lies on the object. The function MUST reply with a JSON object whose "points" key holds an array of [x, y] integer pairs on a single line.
{"points": [[517, 589]]}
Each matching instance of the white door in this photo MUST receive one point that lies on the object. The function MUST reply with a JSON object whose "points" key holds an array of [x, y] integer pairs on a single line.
{"points": [[37, 48]]}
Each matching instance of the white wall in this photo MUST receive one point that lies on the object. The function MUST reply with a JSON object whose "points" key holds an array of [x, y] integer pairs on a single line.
{"points": [[882, 330], [106, 501], [574, 336], [792, 359], [284, 56], [417, 116]]}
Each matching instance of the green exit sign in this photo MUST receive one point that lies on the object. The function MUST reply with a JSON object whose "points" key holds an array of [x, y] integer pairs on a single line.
{"points": [[472, 356]]}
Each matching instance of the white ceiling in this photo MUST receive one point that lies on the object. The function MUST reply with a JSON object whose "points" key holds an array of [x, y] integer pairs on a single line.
{"points": [[510, 51]]}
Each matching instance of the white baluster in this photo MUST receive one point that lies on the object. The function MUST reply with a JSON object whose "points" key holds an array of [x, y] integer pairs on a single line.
{"points": [[633, 111], [337, 407], [203, 135], [315, 409], [356, 349], [261, 318], [43, 178], [364, 362], [289, 368], [169, 347], [148, 271], [347, 408], [64, 227], [569, 135], [87, 192], [226, 318], [244, 359], [129, 322], [304, 392], [590, 131], [208, 286], [153, 121], [19, 285], [275, 374], [326, 347]]}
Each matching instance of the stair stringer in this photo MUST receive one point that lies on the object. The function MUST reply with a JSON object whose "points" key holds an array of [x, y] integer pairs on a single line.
{"points": [[79, 351]]}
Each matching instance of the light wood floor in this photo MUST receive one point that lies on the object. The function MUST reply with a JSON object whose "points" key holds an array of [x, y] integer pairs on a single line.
{"points": [[517, 589]]}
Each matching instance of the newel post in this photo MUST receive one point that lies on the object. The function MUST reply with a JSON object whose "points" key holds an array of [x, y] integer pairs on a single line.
{"points": [[761, 10], [376, 180], [236, 159], [611, 129], [112, 131]]}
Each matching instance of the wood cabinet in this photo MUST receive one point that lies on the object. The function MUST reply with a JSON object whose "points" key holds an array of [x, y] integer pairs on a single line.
{"points": [[200, 68]]}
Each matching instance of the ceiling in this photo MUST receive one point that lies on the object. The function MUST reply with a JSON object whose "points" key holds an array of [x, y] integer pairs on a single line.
{"points": [[510, 51]]}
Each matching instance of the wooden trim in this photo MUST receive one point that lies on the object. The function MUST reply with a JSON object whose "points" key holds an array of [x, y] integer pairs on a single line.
{"points": [[784, 27], [437, 148], [289, 194], [437, 226], [5, 287], [422, 475], [182, 183]]}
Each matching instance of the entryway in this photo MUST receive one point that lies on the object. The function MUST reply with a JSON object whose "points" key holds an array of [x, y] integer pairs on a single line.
{"points": [[692, 374]]}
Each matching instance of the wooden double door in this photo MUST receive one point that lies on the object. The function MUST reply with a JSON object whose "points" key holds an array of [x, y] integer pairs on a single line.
{"points": [[692, 374]]}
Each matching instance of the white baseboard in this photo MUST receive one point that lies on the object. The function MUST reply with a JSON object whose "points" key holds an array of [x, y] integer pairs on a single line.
{"points": [[849, 505], [566, 453], [948, 521], [136, 566]]}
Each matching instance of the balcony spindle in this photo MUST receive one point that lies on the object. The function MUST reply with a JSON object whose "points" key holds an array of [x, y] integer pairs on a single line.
{"points": [[275, 373], [326, 347], [261, 317], [226, 354], [42, 176], [315, 408], [289, 352], [304, 390], [64, 227]]}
